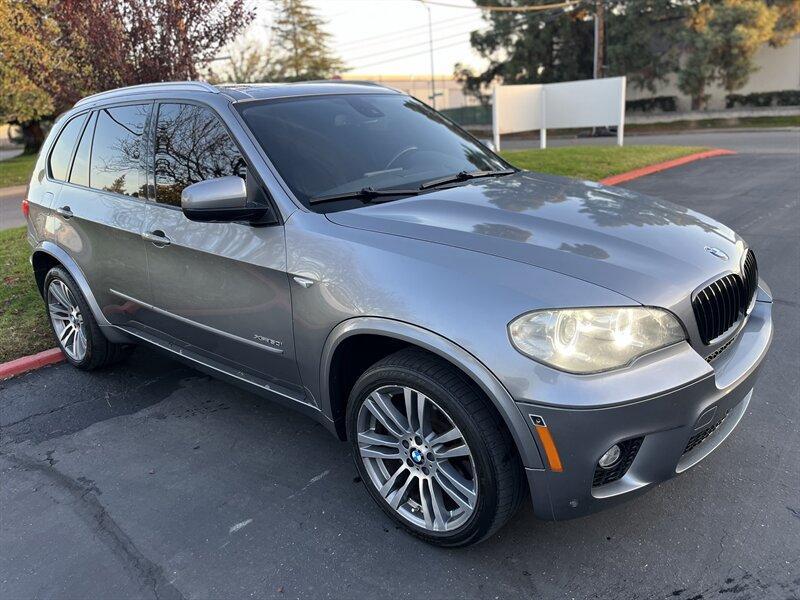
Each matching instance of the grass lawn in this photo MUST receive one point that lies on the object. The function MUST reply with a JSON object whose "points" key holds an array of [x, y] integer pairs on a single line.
{"points": [[17, 170], [23, 324], [594, 162], [741, 122]]}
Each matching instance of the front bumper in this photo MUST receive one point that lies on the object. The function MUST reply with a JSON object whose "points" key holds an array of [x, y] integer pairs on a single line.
{"points": [[669, 433]]}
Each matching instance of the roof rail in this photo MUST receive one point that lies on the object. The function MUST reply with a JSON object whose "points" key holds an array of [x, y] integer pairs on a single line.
{"points": [[345, 81], [176, 86]]}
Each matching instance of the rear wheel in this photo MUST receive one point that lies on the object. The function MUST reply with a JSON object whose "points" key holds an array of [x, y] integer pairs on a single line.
{"points": [[76, 330], [431, 450]]}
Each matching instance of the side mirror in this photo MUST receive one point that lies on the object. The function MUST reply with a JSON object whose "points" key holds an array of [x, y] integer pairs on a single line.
{"points": [[219, 200]]}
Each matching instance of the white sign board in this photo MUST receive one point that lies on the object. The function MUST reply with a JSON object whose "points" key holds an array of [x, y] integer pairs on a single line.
{"points": [[585, 103]]}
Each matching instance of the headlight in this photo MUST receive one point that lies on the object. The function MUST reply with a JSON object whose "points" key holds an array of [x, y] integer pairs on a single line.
{"points": [[588, 340]]}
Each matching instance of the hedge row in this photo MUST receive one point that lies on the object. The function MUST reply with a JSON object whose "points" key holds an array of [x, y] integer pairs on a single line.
{"points": [[662, 103], [778, 98], [469, 115]]}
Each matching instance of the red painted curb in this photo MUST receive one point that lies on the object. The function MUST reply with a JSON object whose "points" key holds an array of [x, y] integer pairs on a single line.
{"points": [[663, 166], [29, 363]]}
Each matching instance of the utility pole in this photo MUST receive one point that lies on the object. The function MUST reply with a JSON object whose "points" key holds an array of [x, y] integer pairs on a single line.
{"points": [[599, 38], [430, 48]]}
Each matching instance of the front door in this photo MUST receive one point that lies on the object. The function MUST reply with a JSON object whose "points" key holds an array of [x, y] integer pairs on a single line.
{"points": [[221, 289]]}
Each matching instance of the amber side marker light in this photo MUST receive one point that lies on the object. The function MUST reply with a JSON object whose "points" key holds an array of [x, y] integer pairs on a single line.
{"points": [[553, 459], [26, 208]]}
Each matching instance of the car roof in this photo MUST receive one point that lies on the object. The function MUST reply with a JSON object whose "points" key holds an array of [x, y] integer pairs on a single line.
{"points": [[258, 91], [243, 91]]}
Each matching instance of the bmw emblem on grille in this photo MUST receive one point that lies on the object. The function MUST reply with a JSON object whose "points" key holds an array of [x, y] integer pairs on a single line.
{"points": [[716, 252]]}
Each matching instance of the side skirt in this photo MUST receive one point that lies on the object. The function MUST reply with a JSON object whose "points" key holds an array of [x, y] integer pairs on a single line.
{"points": [[245, 381]]}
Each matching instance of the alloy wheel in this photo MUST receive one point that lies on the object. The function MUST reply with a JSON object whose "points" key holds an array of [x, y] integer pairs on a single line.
{"points": [[417, 458], [67, 320]]}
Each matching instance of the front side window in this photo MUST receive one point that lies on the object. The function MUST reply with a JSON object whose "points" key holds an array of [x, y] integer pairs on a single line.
{"points": [[119, 150], [191, 146], [62, 151], [335, 144]]}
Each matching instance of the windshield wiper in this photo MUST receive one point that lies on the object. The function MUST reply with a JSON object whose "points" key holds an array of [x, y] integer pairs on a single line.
{"points": [[464, 176], [366, 194]]}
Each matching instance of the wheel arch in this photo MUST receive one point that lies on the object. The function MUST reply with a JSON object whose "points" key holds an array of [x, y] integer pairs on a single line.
{"points": [[386, 336], [48, 255]]}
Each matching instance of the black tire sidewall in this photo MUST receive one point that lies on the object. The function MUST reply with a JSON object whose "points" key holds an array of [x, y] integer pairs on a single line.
{"points": [[88, 318], [486, 504]]}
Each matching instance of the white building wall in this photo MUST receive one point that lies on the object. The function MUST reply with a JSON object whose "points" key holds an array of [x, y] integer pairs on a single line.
{"points": [[778, 69]]}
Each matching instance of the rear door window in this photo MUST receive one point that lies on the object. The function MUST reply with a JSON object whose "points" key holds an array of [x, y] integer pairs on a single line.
{"points": [[61, 155], [191, 145], [119, 150], [80, 165]]}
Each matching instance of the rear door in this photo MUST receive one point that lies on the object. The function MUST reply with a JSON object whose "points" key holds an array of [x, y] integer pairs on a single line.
{"points": [[56, 163], [221, 288], [100, 210]]}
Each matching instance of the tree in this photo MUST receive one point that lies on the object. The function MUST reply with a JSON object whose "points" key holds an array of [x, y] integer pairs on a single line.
{"points": [[300, 44], [248, 62], [704, 41], [530, 47], [721, 39], [30, 65], [93, 46], [640, 40]]}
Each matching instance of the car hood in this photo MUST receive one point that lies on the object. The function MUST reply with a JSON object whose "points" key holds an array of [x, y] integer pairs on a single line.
{"points": [[652, 251]]}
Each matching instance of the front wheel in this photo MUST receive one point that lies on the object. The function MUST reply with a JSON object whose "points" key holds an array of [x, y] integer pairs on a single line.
{"points": [[76, 331], [431, 450]]}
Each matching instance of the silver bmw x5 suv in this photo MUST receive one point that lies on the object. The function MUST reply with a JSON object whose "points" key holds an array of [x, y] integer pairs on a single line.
{"points": [[476, 332]]}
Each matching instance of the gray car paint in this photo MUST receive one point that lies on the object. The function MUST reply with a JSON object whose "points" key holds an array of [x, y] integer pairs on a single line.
{"points": [[447, 271]]}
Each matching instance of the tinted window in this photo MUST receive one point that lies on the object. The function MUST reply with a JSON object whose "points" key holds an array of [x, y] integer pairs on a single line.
{"points": [[119, 155], [80, 166], [191, 146], [336, 144], [62, 151]]}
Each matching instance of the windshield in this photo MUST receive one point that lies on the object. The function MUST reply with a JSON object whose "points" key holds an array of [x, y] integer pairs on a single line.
{"points": [[326, 145]]}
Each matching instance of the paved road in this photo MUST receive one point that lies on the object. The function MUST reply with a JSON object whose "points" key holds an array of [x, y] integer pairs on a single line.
{"points": [[152, 480], [6, 153], [10, 212], [761, 141]]}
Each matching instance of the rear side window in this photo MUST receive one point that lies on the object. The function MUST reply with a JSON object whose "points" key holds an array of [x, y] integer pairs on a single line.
{"points": [[191, 146], [119, 152], [80, 166], [62, 151]]}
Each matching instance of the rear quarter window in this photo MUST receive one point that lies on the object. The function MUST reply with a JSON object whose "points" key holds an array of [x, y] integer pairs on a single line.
{"points": [[61, 156]]}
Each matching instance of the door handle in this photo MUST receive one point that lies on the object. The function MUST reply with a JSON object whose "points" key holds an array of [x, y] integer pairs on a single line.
{"points": [[65, 212], [158, 238]]}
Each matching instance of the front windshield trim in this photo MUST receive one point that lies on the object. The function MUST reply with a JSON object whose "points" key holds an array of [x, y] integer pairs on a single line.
{"points": [[240, 105]]}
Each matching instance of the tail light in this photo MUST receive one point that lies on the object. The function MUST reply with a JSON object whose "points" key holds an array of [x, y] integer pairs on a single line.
{"points": [[26, 208]]}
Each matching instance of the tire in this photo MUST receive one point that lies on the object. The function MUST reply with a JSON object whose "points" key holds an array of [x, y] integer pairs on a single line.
{"points": [[98, 352], [477, 493]]}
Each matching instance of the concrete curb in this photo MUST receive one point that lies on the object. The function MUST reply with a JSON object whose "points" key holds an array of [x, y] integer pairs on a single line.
{"points": [[663, 166], [30, 363]]}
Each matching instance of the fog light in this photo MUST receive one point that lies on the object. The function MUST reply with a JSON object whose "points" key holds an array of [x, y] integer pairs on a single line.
{"points": [[610, 458]]}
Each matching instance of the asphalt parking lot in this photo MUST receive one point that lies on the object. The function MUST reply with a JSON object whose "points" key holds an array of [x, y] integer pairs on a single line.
{"points": [[152, 480]]}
